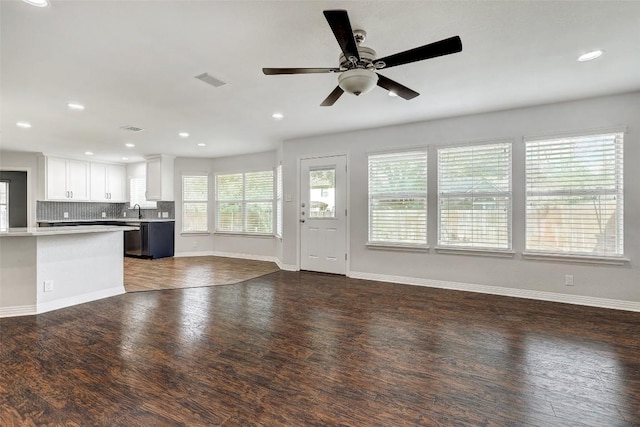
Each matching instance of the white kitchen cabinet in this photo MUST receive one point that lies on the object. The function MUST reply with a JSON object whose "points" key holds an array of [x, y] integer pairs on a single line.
{"points": [[66, 179], [108, 182], [160, 177]]}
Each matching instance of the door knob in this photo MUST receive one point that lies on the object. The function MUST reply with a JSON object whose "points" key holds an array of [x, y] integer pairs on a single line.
{"points": [[302, 220]]}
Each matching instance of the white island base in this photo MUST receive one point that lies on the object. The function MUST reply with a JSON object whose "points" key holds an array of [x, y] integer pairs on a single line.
{"points": [[47, 269]]}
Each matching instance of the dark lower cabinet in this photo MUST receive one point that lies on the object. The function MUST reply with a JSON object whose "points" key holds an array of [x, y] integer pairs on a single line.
{"points": [[152, 240]]}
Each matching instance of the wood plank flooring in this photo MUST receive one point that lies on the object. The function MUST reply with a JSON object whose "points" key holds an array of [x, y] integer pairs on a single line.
{"points": [[190, 272], [306, 349]]}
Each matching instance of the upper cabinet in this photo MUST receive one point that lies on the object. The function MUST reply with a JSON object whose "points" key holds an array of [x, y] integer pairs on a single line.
{"points": [[108, 182], [66, 179], [160, 178]]}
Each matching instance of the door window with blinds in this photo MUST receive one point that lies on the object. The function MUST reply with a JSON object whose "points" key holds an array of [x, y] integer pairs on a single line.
{"points": [[574, 195], [398, 198], [474, 196], [245, 202], [195, 201]]}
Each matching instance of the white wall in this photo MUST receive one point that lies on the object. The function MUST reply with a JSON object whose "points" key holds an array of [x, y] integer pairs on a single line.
{"points": [[221, 244], [595, 281], [24, 161]]}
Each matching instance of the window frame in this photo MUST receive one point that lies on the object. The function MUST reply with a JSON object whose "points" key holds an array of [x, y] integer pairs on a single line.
{"points": [[185, 202], [243, 202], [397, 244], [617, 258], [143, 203], [279, 202], [471, 249]]}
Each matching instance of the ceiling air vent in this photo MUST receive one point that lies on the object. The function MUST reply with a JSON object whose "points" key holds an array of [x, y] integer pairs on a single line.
{"points": [[210, 80], [131, 128]]}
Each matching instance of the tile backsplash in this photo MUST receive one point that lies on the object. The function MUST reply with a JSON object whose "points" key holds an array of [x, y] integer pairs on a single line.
{"points": [[54, 211]]}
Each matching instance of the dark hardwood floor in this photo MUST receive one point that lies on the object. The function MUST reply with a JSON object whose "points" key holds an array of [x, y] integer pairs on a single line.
{"points": [[306, 349]]}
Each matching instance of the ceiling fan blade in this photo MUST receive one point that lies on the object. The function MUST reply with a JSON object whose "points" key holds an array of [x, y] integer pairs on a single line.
{"points": [[333, 97], [339, 22], [392, 86], [433, 50], [273, 71]]}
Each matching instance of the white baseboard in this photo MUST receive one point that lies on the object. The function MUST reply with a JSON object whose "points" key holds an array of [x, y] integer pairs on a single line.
{"points": [[286, 267], [17, 310], [508, 292], [79, 299], [229, 255]]}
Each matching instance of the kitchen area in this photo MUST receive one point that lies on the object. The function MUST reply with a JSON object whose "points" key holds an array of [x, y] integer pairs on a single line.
{"points": [[88, 217]]}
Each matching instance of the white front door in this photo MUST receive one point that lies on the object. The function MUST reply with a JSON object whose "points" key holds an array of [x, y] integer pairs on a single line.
{"points": [[322, 214]]}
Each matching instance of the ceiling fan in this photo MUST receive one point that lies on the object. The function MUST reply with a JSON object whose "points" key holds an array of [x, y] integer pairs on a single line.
{"points": [[359, 66]]}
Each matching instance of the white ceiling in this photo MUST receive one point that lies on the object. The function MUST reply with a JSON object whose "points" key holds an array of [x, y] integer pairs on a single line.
{"points": [[134, 62]]}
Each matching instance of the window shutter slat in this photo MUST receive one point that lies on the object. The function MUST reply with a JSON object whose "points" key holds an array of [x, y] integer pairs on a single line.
{"points": [[474, 196], [574, 195], [398, 198], [195, 201]]}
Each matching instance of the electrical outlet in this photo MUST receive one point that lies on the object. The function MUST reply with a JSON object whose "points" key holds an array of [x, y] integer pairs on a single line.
{"points": [[159, 215], [104, 214], [65, 215], [568, 280], [124, 214], [165, 214], [48, 285]]}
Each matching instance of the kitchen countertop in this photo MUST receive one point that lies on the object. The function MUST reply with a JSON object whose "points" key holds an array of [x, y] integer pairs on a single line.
{"points": [[52, 231], [61, 221]]}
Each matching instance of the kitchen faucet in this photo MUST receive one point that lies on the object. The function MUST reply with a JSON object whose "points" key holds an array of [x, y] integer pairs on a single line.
{"points": [[139, 211]]}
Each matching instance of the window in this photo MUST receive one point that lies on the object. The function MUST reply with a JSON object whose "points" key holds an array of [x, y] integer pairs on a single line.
{"points": [[322, 193], [574, 195], [137, 194], [4, 206], [279, 205], [195, 201], [474, 196], [398, 198], [244, 202]]}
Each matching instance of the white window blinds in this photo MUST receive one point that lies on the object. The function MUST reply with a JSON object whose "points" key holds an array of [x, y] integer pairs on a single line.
{"points": [[474, 196], [398, 198], [244, 202], [195, 201], [575, 195]]}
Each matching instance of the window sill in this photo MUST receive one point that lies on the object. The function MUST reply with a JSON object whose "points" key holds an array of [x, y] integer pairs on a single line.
{"points": [[537, 256], [397, 247], [475, 252], [195, 233], [237, 234]]}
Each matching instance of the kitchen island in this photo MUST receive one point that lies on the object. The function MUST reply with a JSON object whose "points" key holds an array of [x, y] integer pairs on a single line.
{"points": [[44, 269]]}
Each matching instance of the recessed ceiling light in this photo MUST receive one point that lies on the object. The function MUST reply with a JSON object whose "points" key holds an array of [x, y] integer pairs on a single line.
{"points": [[129, 145], [183, 135], [392, 93], [24, 125], [202, 144], [277, 116], [38, 3], [75, 106], [125, 158], [89, 153], [589, 56]]}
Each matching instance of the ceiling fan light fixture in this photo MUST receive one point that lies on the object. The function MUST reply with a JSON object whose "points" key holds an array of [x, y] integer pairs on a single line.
{"points": [[357, 81]]}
